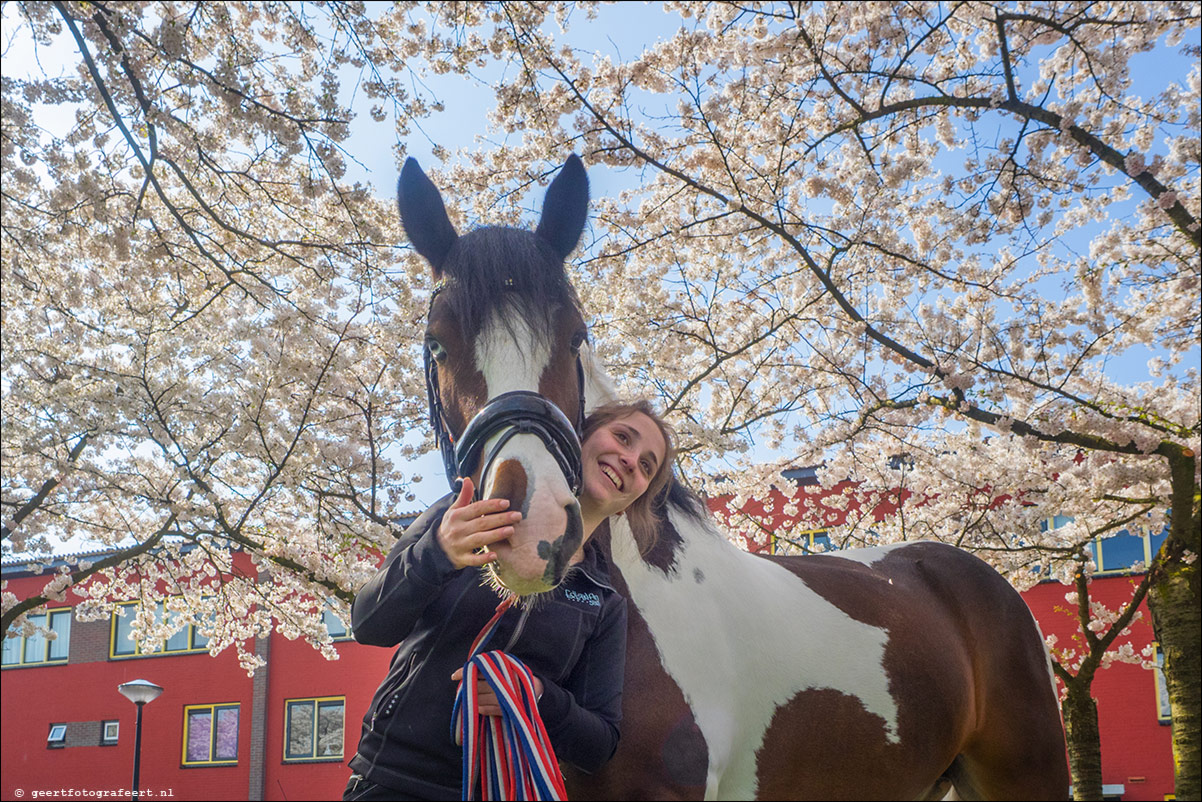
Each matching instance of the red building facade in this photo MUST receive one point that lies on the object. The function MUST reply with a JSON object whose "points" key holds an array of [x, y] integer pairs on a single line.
{"points": [[213, 733], [288, 731]]}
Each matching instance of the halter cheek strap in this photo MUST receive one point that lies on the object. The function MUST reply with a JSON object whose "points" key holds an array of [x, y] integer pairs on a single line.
{"points": [[442, 434]]}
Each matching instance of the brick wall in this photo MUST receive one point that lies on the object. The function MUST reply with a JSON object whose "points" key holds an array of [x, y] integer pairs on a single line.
{"points": [[89, 641]]}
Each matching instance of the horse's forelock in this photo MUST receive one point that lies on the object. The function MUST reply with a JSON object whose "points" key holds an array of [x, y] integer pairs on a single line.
{"points": [[503, 270]]}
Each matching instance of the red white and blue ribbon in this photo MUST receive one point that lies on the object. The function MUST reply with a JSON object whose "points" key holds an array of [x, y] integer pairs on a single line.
{"points": [[508, 756]]}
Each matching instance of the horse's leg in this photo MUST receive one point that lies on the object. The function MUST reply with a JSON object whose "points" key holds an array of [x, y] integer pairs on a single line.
{"points": [[1024, 766], [1014, 747], [958, 784], [1018, 749]]}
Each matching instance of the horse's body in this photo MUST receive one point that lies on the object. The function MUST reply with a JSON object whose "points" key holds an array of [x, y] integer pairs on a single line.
{"points": [[901, 672], [889, 673]]}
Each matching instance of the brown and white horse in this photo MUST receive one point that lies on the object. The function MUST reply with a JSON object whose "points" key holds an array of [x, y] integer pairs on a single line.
{"points": [[908, 671], [901, 672]]}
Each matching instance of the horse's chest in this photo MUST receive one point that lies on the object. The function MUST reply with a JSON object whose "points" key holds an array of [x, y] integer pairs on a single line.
{"points": [[742, 637]]}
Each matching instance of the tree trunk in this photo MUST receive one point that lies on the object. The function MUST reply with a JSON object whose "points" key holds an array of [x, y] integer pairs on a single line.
{"points": [[1084, 740], [1176, 606], [1176, 616]]}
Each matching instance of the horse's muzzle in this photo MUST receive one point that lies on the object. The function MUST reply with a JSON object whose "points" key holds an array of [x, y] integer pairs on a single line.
{"points": [[534, 559]]}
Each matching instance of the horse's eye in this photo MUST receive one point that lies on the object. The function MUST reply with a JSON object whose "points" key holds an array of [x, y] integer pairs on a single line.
{"points": [[578, 340], [436, 350]]}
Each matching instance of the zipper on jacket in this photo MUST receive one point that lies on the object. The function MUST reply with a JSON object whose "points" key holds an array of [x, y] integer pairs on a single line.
{"points": [[517, 631]]}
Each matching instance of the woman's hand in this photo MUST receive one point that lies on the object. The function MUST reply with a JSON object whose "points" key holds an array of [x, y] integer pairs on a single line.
{"points": [[468, 528], [486, 700]]}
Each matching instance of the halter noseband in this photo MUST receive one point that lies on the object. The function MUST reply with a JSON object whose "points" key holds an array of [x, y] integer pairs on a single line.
{"points": [[509, 414], [520, 412]]}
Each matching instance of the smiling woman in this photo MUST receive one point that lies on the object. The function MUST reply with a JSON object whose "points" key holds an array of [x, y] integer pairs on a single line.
{"points": [[431, 599]]}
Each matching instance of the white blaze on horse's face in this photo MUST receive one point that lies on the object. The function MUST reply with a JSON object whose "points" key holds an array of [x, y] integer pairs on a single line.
{"points": [[511, 357]]}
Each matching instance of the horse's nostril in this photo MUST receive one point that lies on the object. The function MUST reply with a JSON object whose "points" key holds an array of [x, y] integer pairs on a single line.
{"points": [[510, 482]]}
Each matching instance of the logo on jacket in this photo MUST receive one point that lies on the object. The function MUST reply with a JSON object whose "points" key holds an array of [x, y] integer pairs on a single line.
{"points": [[584, 598]]}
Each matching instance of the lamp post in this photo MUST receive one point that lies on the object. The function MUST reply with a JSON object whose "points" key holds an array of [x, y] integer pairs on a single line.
{"points": [[138, 691]]}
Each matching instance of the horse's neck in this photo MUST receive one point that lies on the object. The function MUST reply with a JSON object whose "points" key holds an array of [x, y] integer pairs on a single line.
{"points": [[745, 607], [690, 547]]}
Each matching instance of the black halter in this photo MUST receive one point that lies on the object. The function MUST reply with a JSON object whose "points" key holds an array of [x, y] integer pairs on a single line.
{"points": [[509, 414]]}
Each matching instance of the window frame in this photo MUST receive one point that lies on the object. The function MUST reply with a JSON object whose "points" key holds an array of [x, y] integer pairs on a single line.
{"points": [[105, 738], [1098, 548], [1164, 711], [328, 617], [61, 741], [192, 630], [312, 756], [62, 641], [214, 710]]}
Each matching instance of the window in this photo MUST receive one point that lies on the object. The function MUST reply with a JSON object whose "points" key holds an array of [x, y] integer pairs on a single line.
{"points": [[819, 542], [211, 735], [108, 732], [1164, 713], [1119, 552], [334, 625], [37, 649], [1055, 522], [57, 738], [813, 542], [123, 644], [313, 728]]}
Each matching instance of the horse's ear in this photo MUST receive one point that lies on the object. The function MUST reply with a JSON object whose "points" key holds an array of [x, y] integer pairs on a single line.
{"points": [[423, 215], [565, 208]]}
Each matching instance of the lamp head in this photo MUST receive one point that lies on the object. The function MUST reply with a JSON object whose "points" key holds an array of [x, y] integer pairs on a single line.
{"points": [[140, 691]]}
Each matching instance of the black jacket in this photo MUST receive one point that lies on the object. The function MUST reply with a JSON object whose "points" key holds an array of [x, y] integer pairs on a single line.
{"points": [[573, 639]]}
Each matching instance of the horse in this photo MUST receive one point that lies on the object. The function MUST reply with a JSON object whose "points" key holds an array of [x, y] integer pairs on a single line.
{"points": [[908, 671]]}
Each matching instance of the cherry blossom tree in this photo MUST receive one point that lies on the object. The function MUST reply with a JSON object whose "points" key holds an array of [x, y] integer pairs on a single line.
{"points": [[945, 250], [965, 235], [206, 334]]}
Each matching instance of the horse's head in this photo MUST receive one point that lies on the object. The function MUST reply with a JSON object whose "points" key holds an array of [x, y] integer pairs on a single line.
{"points": [[502, 365]]}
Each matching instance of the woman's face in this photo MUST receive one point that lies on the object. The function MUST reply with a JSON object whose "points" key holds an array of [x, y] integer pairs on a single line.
{"points": [[619, 460]]}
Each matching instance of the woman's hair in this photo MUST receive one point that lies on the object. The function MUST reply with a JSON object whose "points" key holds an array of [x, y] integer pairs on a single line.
{"points": [[641, 514]]}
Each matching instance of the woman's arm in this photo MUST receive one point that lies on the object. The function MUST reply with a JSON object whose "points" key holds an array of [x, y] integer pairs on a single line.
{"points": [[388, 606], [582, 717], [453, 534]]}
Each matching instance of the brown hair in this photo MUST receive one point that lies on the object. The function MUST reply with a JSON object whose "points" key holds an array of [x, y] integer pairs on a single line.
{"points": [[641, 513]]}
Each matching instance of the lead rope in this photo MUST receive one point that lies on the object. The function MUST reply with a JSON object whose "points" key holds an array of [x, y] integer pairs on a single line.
{"points": [[507, 756]]}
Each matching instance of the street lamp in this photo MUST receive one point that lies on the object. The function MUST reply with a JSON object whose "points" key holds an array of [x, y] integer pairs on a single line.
{"points": [[138, 691]]}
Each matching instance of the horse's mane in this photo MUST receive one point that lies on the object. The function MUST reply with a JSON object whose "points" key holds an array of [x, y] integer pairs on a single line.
{"points": [[678, 496], [498, 270]]}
